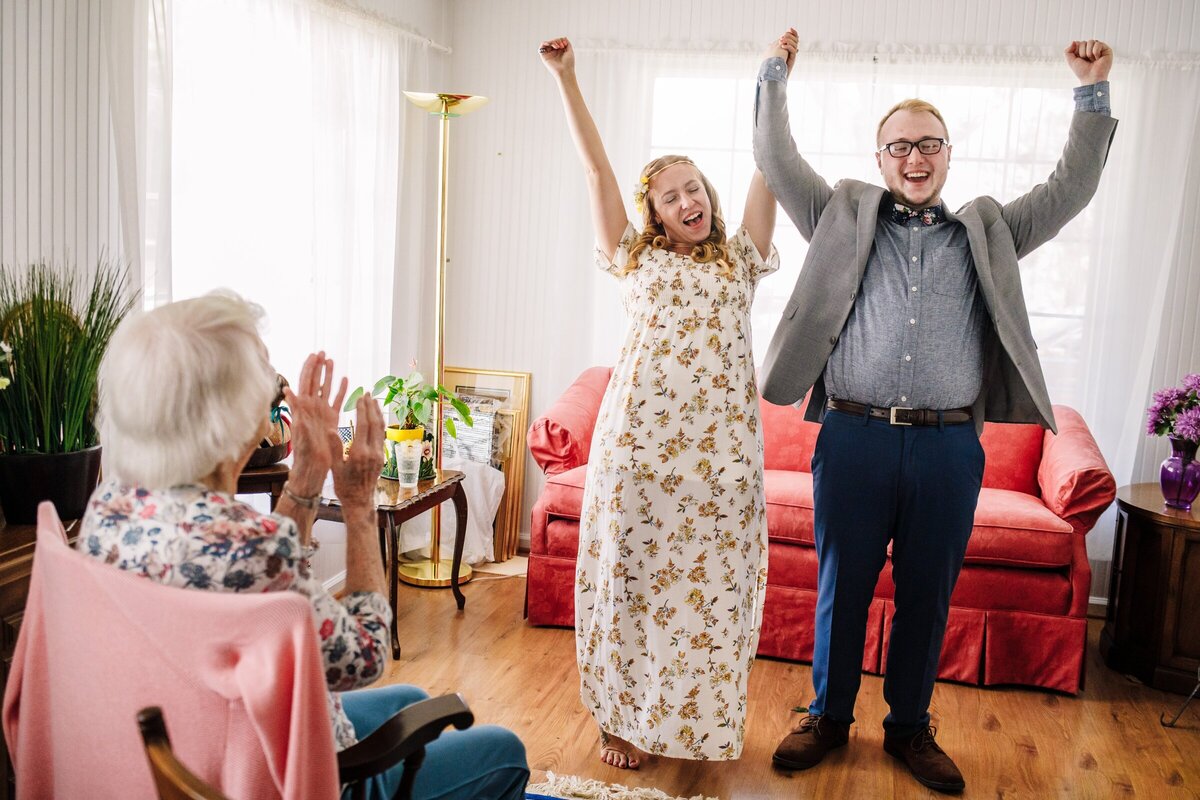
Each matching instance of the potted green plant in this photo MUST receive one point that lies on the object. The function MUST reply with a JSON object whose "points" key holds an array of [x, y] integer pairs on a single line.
{"points": [[56, 324], [412, 402]]}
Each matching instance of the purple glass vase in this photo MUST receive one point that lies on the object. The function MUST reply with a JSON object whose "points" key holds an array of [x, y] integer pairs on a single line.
{"points": [[1180, 475]]}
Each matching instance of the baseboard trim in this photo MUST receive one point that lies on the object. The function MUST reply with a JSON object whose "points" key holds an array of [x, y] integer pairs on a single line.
{"points": [[1097, 607], [336, 584]]}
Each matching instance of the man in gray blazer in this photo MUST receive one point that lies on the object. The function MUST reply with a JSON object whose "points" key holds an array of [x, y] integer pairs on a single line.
{"points": [[909, 327]]}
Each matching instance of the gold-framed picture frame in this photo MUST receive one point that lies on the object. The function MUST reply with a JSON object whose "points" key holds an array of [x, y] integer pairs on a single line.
{"points": [[510, 391]]}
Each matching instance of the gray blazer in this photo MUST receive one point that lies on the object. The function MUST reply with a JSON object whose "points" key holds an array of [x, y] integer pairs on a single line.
{"points": [[839, 224]]}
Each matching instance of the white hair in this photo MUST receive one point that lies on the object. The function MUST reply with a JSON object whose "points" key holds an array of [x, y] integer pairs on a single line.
{"points": [[183, 388]]}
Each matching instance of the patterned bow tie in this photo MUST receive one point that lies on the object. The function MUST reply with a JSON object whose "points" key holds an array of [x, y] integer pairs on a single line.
{"points": [[902, 214]]}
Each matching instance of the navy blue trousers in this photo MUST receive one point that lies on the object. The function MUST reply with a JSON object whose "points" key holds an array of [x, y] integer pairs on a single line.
{"points": [[916, 487]]}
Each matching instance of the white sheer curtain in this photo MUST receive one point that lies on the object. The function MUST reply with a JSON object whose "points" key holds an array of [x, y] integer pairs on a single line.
{"points": [[286, 163], [136, 57], [1095, 293]]}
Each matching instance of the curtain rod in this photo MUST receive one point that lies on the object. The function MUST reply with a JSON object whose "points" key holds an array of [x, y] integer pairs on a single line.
{"points": [[868, 52], [375, 18]]}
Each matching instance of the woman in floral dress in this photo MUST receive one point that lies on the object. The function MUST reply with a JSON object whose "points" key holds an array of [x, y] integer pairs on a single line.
{"points": [[672, 542]]}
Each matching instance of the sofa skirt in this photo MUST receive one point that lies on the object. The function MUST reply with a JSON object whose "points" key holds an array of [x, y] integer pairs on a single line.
{"points": [[981, 647]]}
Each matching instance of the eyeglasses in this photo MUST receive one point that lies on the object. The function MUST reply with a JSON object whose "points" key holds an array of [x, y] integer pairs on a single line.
{"points": [[928, 147]]}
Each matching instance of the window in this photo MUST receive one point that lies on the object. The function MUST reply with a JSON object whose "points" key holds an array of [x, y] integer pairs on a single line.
{"points": [[285, 164], [1006, 139]]}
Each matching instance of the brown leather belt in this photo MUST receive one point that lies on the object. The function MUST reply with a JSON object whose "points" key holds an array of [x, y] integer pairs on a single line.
{"points": [[899, 415]]}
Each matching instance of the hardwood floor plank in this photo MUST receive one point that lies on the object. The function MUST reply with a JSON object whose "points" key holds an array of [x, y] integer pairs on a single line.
{"points": [[1010, 742]]}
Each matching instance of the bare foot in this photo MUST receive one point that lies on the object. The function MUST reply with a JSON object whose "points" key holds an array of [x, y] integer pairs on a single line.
{"points": [[617, 752]]}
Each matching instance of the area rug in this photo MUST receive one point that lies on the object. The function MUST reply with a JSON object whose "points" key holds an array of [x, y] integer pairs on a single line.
{"points": [[568, 787], [517, 565]]}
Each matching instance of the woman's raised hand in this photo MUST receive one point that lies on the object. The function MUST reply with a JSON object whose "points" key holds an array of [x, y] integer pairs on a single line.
{"points": [[316, 446], [557, 55], [785, 47], [355, 478]]}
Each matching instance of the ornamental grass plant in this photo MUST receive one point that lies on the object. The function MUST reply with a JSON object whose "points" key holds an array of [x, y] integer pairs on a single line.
{"points": [[56, 322]]}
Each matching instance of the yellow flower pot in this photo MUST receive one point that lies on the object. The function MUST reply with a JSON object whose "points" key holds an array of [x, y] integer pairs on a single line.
{"points": [[393, 435], [398, 434]]}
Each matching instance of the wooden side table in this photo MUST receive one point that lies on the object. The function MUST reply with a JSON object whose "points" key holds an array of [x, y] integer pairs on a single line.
{"points": [[264, 480], [1152, 630], [397, 505]]}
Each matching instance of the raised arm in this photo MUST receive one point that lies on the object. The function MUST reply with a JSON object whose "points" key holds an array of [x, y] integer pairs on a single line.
{"points": [[759, 216], [1038, 215], [608, 212], [800, 190]]}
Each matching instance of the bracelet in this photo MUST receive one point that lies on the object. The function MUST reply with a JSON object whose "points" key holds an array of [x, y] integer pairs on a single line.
{"points": [[307, 551], [308, 502]]}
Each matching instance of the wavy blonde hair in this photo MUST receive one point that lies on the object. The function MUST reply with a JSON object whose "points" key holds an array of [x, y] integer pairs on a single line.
{"points": [[713, 250]]}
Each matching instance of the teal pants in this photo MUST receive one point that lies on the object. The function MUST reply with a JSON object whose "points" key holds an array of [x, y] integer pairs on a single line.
{"points": [[484, 762]]}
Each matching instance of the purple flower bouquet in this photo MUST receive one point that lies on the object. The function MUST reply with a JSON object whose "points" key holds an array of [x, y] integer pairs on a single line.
{"points": [[1175, 413]]}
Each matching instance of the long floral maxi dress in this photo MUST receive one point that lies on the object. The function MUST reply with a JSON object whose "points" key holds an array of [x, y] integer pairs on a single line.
{"points": [[673, 544]]}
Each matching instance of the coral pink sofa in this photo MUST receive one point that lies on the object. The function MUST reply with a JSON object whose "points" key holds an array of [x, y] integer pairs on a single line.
{"points": [[1017, 615]]}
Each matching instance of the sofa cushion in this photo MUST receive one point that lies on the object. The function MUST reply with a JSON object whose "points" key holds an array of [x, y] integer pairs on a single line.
{"points": [[1013, 453], [563, 494], [788, 440], [1014, 529], [789, 505], [561, 438], [1077, 484], [562, 538]]}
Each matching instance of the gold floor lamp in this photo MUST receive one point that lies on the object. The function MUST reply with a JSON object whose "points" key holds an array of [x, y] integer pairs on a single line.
{"points": [[437, 571]]}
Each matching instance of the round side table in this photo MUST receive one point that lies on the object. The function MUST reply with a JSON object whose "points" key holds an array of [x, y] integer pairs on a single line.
{"points": [[1152, 628]]}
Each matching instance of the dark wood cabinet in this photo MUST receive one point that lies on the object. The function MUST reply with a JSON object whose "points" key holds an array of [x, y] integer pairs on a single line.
{"points": [[1152, 627]]}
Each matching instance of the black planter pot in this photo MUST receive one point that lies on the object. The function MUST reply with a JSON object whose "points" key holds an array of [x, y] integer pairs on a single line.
{"points": [[65, 479]]}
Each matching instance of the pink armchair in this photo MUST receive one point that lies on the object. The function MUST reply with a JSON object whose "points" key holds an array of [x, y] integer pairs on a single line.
{"points": [[1018, 613]]}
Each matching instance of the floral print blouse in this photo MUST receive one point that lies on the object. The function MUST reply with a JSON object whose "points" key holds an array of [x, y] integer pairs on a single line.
{"points": [[195, 538]]}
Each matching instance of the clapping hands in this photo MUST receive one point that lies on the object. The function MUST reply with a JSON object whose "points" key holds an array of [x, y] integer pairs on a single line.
{"points": [[316, 445]]}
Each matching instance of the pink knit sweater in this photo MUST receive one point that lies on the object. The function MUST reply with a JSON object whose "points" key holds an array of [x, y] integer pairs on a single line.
{"points": [[238, 677]]}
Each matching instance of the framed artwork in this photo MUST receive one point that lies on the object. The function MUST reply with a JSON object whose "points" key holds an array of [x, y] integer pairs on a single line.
{"points": [[507, 395]]}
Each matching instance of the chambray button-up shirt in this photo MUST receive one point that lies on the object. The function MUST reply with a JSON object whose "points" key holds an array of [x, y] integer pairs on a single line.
{"points": [[915, 334]]}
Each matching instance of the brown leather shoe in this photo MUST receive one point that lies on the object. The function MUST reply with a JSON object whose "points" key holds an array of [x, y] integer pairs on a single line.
{"points": [[815, 736], [926, 760]]}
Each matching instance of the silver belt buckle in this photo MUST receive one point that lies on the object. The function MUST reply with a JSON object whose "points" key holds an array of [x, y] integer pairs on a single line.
{"points": [[892, 416]]}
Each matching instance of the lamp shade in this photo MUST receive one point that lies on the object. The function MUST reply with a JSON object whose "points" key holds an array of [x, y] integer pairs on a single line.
{"points": [[454, 104]]}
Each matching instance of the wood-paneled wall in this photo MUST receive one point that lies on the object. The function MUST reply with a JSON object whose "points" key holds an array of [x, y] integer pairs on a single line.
{"points": [[58, 187]]}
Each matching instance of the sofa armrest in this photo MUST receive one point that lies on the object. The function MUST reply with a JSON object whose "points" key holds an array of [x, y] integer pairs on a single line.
{"points": [[1075, 481], [561, 438]]}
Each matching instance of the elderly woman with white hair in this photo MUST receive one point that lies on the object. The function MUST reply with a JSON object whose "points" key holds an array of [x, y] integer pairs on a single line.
{"points": [[166, 510]]}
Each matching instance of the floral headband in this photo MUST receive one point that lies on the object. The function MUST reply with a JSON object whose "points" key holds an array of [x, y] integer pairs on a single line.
{"points": [[639, 193]]}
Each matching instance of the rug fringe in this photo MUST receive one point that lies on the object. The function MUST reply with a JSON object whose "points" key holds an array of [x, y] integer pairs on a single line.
{"points": [[569, 787]]}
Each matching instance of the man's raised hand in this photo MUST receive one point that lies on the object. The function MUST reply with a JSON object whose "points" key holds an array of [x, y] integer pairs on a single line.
{"points": [[1090, 60], [784, 47]]}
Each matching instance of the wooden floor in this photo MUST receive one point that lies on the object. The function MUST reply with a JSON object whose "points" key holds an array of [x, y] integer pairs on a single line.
{"points": [[1009, 742]]}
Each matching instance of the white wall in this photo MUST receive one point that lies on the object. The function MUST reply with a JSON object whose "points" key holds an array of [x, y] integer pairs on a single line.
{"points": [[516, 179], [428, 18], [58, 188]]}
